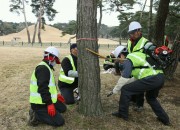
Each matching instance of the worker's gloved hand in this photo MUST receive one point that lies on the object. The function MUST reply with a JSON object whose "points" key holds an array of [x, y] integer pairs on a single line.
{"points": [[51, 110], [60, 98], [115, 90]]}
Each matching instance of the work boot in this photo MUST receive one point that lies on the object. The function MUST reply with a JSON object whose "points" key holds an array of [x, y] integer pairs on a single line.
{"points": [[117, 114], [32, 121], [167, 123]]}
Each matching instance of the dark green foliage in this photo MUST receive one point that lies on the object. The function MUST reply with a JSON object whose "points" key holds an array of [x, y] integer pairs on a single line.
{"points": [[47, 6]]}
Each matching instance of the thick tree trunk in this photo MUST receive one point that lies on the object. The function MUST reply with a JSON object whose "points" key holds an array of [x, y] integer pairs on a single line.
{"points": [[28, 34], [169, 72], [160, 21], [88, 64]]}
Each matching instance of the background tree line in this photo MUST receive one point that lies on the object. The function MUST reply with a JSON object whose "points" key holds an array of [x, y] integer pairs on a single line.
{"points": [[67, 28]]}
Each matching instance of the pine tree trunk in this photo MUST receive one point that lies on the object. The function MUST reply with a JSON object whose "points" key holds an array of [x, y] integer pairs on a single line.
{"points": [[169, 72], [100, 18], [40, 23], [28, 34], [160, 21], [88, 64], [150, 21], [35, 29]]}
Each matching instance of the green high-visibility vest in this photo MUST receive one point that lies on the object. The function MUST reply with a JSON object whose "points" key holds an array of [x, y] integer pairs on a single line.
{"points": [[35, 97], [109, 60], [139, 46], [139, 60], [63, 77]]}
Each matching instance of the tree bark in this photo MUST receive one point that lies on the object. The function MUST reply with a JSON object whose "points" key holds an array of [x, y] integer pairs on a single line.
{"points": [[28, 34], [35, 29], [160, 21], [88, 64], [150, 21], [169, 72], [40, 22], [100, 18]]}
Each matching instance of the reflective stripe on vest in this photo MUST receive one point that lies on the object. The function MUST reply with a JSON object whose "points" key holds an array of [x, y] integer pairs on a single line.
{"points": [[35, 97], [138, 46], [63, 77], [139, 59]]}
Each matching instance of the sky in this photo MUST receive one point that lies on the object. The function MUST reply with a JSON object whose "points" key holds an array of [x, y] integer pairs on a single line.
{"points": [[66, 9]]}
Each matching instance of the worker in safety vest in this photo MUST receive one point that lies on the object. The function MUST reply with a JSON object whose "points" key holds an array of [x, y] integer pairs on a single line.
{"points": [[68, 77], [46, 103], [136, 44], [148, 80], [118, 64], [109, 62]]}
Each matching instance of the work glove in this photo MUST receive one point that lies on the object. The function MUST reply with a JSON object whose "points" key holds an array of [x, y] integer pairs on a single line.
{"points": [[60, 98], [121, 82], [51, 110]]}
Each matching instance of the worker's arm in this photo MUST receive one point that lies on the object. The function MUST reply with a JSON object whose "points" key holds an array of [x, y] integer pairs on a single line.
{"points": [[125, 78]]}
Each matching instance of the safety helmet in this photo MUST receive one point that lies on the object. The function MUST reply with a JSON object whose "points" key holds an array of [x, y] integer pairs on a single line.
{"points": [[134, 25], [119, 50], [53, 51]]}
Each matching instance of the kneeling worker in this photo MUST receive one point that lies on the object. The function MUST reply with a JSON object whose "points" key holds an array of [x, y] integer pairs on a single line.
{"points": [[68, 78], [46, 103]]}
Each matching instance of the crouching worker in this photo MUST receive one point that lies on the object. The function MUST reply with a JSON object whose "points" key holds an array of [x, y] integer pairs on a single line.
{"points": [[109, 62], [148, 80], [46, 103], [120, 52], [68, 77]]}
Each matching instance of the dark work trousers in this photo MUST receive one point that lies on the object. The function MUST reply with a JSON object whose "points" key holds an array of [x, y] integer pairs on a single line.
{"points": [[57, 120], [138, 100], [67, 93], [151, 85]]}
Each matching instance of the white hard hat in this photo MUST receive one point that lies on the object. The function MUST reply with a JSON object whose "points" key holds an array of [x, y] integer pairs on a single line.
{"points": [[54, 51], [134, 25], [118, 50]]}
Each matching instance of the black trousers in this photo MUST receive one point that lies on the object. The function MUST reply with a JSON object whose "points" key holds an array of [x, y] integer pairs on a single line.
{"points": [[67, 93], [138, 99], [151, 85], [57, 120]]}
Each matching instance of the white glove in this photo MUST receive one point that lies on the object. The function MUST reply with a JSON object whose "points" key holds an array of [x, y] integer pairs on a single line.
{"points": [[131, 80], [72, 73], [121, 82]]}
